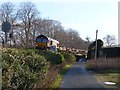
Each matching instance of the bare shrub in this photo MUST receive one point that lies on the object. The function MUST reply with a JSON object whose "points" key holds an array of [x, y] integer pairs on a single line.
{"points": [[103, 64]]}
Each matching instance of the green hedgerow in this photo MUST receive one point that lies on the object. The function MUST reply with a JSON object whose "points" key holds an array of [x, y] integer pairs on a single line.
{"points": [[54, 58], [22, 69], [69, 57]]}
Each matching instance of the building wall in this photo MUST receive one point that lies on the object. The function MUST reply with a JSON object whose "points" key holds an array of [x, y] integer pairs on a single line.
{"points": [[107, 52], [111, 52]]}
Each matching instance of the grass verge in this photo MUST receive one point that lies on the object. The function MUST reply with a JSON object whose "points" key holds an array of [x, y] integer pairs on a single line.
{"points": [[109, 77], [62, 72], [106, 70]]}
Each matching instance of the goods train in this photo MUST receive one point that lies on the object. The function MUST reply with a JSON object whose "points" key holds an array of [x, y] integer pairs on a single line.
{"points": [[43, 42]]}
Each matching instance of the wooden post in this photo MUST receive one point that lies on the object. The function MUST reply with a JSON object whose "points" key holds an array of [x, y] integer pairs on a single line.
{"points": [[5, 39], [96, 46]]}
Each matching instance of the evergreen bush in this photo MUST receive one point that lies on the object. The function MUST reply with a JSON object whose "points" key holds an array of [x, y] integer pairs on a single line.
{"points": [[22, 69]]}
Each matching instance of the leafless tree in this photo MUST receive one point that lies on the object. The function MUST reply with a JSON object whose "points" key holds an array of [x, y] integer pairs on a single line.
{"points": [[109, 40], [71, 39], [47, 27], [87, 39], [27, 14], [30, 26], [8, 13]]}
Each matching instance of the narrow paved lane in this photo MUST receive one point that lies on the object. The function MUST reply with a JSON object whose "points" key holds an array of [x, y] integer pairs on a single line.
{"points": [[78, 77]]}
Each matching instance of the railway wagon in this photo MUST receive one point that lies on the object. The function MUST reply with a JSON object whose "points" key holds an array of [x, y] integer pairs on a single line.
{"points": [[43, 42]]}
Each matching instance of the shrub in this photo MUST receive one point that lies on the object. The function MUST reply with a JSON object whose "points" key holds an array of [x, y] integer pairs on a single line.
{"points": [[22, 68], [69, 57], [54, 58], [101, 64], [58, 58]]}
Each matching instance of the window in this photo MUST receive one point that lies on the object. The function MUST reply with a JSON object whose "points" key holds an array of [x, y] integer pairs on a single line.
{"points": [[39, 40], [44, 40]]}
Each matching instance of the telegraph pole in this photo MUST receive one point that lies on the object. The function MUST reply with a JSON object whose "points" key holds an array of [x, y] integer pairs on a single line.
{"points": [[96, 46]]}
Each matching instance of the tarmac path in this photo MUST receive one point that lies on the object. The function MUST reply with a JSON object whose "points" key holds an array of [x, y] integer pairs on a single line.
{"points": [[79, 77]]}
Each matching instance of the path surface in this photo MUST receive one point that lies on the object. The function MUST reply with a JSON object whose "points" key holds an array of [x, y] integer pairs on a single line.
{"points": [[79, 77]]}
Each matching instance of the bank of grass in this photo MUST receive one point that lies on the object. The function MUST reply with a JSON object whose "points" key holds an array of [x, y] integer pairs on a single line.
{"points": [[59, 78], [105, 70]]}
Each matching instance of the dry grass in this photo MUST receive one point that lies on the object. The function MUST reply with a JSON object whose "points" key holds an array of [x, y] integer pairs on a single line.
{"points": [[54, 76], [50, 78], [102, 64], [105, 70]]}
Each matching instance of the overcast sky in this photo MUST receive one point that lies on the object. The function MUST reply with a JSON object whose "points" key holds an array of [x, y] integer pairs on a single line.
{"points": [[85, 16]]}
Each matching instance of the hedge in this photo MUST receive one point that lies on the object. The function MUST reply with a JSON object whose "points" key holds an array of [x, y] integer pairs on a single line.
{"points": [[54, 58], [22, 69], [69, 57]]}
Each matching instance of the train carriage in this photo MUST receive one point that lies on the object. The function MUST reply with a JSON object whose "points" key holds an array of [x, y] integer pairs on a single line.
{"points": [[43, 42]]}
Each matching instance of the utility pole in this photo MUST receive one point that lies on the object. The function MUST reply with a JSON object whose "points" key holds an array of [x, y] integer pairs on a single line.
{"points": [[96, 46]]}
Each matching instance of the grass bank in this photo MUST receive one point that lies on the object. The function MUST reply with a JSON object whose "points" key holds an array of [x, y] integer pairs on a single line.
{"points": [[60, 75]]}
